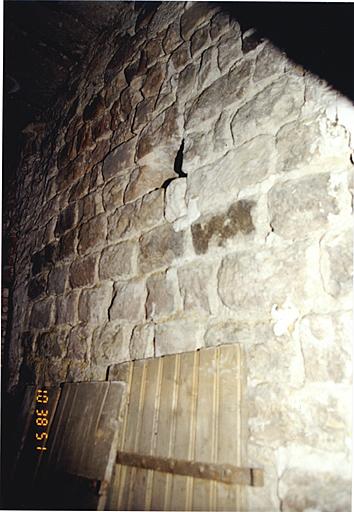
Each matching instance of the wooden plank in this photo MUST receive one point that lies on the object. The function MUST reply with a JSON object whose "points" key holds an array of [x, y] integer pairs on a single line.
{"points": [[84, 435], [226, 473]]}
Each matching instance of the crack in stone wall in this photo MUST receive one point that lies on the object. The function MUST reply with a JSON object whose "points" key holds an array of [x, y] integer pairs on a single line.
{"points": [[118, 259]]}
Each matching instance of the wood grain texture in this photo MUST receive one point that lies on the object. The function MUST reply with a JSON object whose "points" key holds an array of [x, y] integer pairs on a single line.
{"points": [[186, 407]]}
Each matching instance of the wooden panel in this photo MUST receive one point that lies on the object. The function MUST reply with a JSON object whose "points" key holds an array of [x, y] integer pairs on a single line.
{"points": [[185, 407]]}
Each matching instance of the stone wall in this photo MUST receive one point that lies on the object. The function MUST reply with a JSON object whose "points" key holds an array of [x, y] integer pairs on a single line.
{"points": [[195, 188]]}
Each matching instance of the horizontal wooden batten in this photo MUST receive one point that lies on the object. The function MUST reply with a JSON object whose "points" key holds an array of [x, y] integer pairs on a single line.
{"points": [[226, 473]]}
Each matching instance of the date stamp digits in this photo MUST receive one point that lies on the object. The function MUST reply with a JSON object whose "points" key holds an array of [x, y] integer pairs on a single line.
{"points": [[41, 419]]}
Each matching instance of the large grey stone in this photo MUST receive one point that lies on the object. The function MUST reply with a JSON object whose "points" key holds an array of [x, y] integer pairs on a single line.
{"points": [[42, 314], [66, 308], [83, 271], [92, 233], [337, 263], [218, 183], [299, 206], [230, 48], [120, 160], [159, 247], [129, 301], [94, 304], [196, 15], [143, 180], [218, 229], [142, 342], [326, 345], [251, 282], [79, 342], [270, 62], [110, 345], [163, 295], [113, 192], [133, 218], [194, 283], [117, 261], [277, 104], [177, 336]]}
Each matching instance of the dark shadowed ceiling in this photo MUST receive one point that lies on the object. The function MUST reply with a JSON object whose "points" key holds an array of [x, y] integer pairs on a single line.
{"points": [[45, 40]]}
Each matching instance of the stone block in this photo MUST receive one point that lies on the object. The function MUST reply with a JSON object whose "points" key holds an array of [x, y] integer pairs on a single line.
{"points": [[225, 91], [199, 40], [66, 220], [120, 160], [90, 206], [208, 71], [57, 279], [337, 263], [179, 58], [195, 286], [230, 49], [92, 234], [220, 23], [160, 140], [326, 345], [136, 217], [79, 341], [299, 490], [113, 192], [117, 261], [142, 342], [110, 344], [66, 308], [297, 207], [277, 104], [172, 38], [163, 299], [251, 282], [44, 259], [37, 286], [67, 245], [196, 15], [270, 62], [42, 314], [94, 109], [83, 271], [178, 336], [52, 344], [94, 304], [153, 80], [218, 229], [159, 247], [175, 201], [129, 301], [142, 180]]}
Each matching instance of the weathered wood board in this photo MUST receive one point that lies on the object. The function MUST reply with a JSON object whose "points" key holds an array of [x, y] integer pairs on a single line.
{"points": [[186, 407], [74, 470]]}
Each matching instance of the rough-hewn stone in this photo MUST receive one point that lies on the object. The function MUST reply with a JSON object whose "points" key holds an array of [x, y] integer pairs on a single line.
{"points": [[299, 206], [79, 341], [175, 200], [129, 301], [117, 261], [194, 283], [52, 343], [66, 308], [110, 345], [120, 160], [42, 314], [142, 342], [94, 304], [178, 336], [162, 295], [92, 233], [159, 247], [337, 263], [66, 220], [218, 229], [37, 286], [83, 271]]}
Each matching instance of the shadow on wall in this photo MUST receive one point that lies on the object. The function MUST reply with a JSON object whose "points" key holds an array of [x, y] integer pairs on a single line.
{"points": [[318, 36]]}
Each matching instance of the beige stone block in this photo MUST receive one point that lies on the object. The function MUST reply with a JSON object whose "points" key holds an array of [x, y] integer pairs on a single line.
{"points": [[337, 263], [120, 160], [159, 247], [66, 308], [92, 234], [110, 344], [129, 301], [117, 261], [163, 299], [196, 287], [113, 192], [142, 342], [297, 207], [178, 336], [94, 304], [83, 271]]}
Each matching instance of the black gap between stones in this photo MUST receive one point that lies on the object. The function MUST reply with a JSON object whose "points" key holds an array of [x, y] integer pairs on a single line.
{"points": [[177, 167]]}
